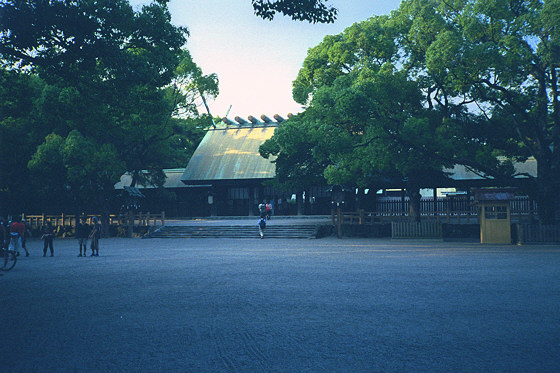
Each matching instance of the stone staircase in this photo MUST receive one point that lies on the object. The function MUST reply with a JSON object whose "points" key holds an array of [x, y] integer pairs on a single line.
{"points": [[235, 231]]}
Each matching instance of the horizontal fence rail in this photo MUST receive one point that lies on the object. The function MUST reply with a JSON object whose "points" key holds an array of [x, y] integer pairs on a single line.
{"points": [[456, 210], [140, 219]]}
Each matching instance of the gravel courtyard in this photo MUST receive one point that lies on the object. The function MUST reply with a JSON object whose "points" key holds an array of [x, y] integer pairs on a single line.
{"points": [[250, 305]]}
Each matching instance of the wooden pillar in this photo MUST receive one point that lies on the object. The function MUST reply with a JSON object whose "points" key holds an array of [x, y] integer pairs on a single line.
{"points": [[339, 222], [403, 209], [468, 204], [435, 202], [362, 215], [130, 223], [299, 201]]}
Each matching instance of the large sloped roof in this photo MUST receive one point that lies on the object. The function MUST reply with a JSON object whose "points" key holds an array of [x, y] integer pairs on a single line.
{"points": [[231, 153], [172, 180]]}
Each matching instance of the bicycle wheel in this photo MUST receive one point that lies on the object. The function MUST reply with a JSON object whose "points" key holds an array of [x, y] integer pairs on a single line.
{"points": [[9, 260]]}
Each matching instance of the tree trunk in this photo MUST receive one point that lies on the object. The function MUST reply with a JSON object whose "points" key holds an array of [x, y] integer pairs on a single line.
{"points": [[414, 205], [299, 201], [547, 184], [105, 224], [546, 200]]}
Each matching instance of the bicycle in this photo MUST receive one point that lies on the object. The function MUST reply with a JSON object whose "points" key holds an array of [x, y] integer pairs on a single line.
{"points": [[10, 259]]}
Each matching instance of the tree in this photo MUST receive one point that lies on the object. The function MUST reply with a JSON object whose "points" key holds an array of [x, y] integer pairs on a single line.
{"points": [[368, 115], [482, 89], [20, 132], [108, 97], [296, 168], [502, 57], [307, 10], [77, 165]]}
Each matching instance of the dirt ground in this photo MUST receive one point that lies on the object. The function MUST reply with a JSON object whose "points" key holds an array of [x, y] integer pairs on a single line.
{"points": [[246, 305]]}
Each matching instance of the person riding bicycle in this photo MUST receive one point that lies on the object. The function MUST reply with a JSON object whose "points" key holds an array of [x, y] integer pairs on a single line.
{"points": [[17, 233]]}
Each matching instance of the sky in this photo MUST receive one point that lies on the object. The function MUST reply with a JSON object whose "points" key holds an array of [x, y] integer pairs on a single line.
{"points": [[257, 60]]}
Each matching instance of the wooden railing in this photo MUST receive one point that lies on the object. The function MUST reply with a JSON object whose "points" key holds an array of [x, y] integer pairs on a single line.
{"points": [[459, 210], [140, 219]]}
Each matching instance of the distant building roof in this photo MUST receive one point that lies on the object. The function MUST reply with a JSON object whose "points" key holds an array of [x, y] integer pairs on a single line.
{"points": [[231, 152], [172, 180]]}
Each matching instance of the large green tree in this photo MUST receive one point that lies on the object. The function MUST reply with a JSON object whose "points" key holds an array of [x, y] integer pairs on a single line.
{"points": [[502, 57], [439, 83], [366, 116], [109, 101]]}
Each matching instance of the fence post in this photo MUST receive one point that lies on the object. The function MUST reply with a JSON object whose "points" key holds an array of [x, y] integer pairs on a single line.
{"points": [[339, 222], [130, 224]]}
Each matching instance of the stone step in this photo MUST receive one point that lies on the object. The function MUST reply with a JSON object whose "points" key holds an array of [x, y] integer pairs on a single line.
{"points": [[234, 231]]}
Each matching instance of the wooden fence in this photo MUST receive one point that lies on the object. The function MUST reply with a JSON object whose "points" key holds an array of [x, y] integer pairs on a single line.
{"points": [[446, 210], [424, 229], [140, 219], [536, 233]]}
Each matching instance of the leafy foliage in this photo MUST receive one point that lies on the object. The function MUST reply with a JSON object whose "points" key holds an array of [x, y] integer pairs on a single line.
{"points": [[94, 93], [439, 83], [300, 10]]}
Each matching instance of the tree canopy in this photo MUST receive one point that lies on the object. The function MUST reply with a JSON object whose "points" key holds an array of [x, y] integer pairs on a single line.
{"points": [[438, 83], [96, 89], [315, 11]]}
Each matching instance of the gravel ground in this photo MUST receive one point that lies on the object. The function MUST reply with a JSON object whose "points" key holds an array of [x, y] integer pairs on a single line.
{"points": [[329, 305]]}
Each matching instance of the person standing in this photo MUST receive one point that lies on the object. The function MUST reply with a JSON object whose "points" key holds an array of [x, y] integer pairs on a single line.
{"points": [[82, 233], [95, 235], [262, 210], [48, 238]]}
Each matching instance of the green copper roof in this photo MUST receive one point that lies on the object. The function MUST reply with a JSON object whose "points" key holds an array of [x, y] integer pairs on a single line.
{"points": [[231, 153]]}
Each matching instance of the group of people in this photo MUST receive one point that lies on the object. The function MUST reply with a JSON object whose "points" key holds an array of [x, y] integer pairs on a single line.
{"points": [[85, 232], [13, 236], [265, 211]]}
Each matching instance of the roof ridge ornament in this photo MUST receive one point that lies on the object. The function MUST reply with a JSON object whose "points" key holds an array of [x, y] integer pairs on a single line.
{"points": [[240, 120]]}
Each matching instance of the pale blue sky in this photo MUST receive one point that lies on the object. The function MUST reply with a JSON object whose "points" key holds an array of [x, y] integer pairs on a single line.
{"points": [[257, 60]]}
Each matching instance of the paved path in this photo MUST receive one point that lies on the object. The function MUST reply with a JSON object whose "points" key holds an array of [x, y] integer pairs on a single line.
{"points": [[328, 305]]}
